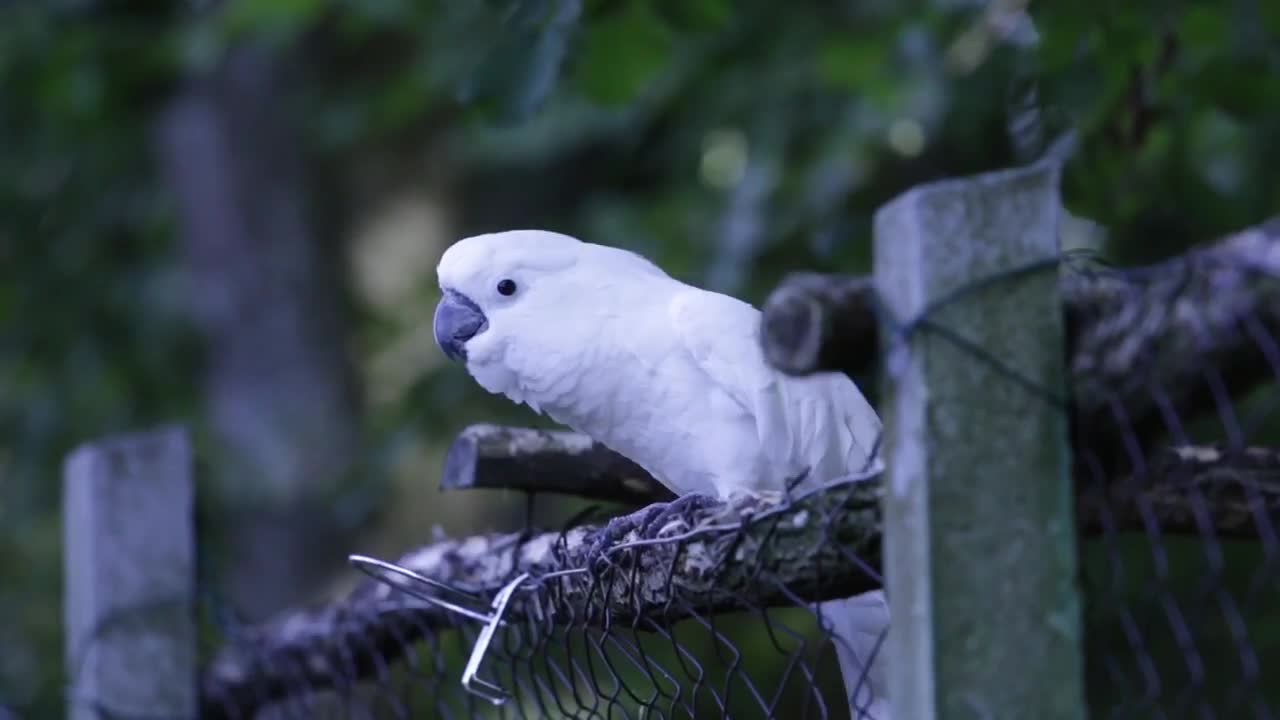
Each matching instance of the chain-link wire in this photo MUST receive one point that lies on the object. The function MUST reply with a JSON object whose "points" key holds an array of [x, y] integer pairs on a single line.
{"points": [[716, 610], [712, 616], [1182, 474]]}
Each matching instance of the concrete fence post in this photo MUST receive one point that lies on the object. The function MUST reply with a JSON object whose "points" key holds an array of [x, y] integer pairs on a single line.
{"points": [[980, 553], [128, 505]]}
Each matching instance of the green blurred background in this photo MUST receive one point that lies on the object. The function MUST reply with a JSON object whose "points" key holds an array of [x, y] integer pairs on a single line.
{"points": [[228, 214]]}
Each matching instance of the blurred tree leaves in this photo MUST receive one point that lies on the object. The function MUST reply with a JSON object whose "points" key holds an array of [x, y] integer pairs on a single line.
{"points": [[279, 19], [622, 53], [522, 63], [695, 16]]}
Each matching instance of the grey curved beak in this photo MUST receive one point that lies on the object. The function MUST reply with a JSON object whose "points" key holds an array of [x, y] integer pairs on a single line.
{"points": [[457, 320]]}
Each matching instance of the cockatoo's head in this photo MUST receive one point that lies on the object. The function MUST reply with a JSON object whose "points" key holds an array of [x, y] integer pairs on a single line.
{"points": [[517, 304]]}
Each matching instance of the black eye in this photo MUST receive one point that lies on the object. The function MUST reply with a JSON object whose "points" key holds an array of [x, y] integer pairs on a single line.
{"points": [[507, 286]]}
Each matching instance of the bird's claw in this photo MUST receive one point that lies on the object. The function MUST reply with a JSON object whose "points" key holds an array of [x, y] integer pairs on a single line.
{"points": [[645, 523], [658, 515], [611, 534]]}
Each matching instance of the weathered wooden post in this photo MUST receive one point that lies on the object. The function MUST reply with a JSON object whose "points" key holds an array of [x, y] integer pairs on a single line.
{"points": [[980, 553], [130, 577]]}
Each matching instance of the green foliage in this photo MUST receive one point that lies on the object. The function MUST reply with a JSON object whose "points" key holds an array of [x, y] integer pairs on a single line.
{"points": [[730, 141], [622, 55]]}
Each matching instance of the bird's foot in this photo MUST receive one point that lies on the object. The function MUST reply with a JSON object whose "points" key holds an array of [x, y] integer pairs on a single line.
{"points": [[645, 524], [611, 534], [617, 531], [659, 515]]}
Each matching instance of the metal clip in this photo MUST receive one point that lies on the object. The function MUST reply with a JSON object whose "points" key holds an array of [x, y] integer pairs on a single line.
{"points": [[471, 681], [483, 688], [367, 565], [470, 675]]}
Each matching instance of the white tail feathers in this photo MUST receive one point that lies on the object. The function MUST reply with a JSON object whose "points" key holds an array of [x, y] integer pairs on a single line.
{"points": [[859, 627]]}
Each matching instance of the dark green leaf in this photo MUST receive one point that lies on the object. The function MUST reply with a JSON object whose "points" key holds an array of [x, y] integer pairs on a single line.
{"points": [[622, 54]]}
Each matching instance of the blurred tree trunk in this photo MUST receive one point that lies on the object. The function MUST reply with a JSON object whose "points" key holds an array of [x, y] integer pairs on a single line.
{"points": [[279, 391]]}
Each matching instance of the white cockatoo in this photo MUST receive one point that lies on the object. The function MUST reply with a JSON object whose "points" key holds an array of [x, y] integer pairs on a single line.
{"points": [[671, 376]]}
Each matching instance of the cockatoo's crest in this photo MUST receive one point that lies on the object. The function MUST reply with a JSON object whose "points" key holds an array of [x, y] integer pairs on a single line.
{"points": [[470, 263]]}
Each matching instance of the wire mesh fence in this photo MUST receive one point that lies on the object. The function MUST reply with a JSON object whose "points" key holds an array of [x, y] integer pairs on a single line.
{"points": [[708, 617], [717, 611], [1179, 475]]}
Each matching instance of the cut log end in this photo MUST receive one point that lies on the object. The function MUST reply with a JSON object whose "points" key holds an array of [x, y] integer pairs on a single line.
{"points": [[546, 461], [793, 330]]}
